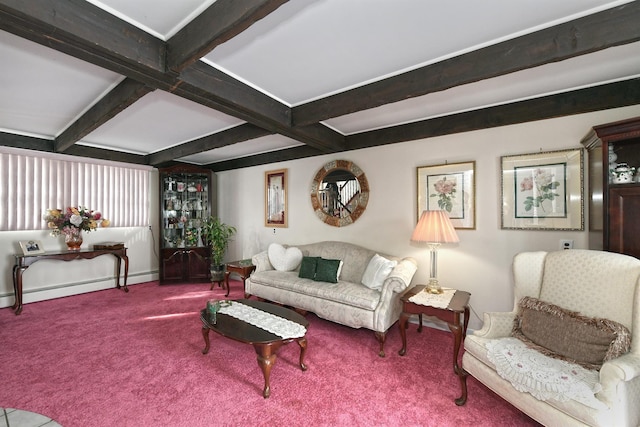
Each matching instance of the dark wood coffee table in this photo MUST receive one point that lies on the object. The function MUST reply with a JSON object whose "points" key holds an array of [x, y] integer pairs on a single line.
{"points": [[265, 343]]}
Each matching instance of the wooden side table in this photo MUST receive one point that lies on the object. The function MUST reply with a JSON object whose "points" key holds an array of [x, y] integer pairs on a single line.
{"points": [[242, 268], [459, 305]]}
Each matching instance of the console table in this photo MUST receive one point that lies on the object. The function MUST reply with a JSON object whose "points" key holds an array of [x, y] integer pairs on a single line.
{"points": [[24, 261]]}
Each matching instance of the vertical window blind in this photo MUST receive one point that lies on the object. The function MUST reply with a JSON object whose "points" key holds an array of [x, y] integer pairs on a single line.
{"points": [[32, 183]]}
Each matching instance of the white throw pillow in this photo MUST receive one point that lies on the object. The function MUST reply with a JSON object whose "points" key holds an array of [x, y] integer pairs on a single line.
{"points": [[284, 259], [377, 270]]}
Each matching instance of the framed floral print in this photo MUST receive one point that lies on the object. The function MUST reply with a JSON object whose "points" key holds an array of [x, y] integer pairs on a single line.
{"points": [[451, 188], [275, 198], [543, 191]]}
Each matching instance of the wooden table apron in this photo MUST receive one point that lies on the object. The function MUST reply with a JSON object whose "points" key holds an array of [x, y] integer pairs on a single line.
{"points": [[459, 305], [264, 343], [22, 262]]}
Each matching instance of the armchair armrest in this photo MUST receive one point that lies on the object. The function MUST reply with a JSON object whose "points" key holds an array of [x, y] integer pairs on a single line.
{"points": [[623, 368], [496, 325], [261, 261], [620, 381]]}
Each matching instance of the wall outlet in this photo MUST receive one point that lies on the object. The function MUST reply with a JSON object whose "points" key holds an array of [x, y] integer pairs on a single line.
{"points": [[566, 244]]}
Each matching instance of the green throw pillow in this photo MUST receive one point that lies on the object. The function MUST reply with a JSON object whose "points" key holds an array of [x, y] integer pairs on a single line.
{"points": [[308, 267], [327, 270]]}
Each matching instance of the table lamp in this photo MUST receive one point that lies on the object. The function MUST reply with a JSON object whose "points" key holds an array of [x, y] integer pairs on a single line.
{"points": [[434, 228]]}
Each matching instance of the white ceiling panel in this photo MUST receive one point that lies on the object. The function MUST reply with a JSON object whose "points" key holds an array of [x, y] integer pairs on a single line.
{"points": [[162, 18], [308, 48], [255, 146], [158, 121], [42, 90]]}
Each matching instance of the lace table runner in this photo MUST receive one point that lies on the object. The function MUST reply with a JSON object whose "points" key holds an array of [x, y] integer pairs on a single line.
{"points": [[434, 300], [286, 329], [541, 376]]}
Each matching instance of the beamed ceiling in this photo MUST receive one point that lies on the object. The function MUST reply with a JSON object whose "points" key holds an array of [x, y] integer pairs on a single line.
{"points": [[229, 84]]}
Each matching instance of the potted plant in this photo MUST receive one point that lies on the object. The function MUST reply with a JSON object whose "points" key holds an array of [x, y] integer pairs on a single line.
{"points": [[218, 235]]}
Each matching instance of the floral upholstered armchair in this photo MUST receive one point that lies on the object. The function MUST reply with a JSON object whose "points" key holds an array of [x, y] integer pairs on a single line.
{"points": [[569, 351]]}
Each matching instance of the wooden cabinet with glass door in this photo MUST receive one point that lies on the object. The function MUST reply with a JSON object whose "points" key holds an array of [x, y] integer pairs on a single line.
{"points": [[186, 201], [614, 186]]}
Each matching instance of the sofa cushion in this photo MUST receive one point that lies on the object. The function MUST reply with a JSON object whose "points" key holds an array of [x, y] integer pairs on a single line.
{"points": [[327, 270], [284, 259], [308, 267], [377, 270], [343, 292], [567, 335]]}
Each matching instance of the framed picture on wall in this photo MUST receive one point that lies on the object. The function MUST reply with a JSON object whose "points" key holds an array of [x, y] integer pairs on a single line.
{"points": [[543, 191], [275, 198], [31, 247], [451, 188]]}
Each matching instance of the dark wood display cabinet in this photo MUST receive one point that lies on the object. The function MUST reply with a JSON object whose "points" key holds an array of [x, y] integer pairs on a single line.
{"points": [[187, 199], [614, 207]]}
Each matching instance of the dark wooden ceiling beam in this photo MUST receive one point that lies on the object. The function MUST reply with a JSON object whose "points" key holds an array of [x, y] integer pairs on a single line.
{"points": [[27, 142], [101, 153], [612, 95], [209, 86], [46, 145], [67, 26], [220, 22], [84, 31], [613, 27], [241, 133], [119, 98]]}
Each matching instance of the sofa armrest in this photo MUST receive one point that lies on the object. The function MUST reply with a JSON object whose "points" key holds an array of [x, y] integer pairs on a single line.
{"points": [[261, 261], [400, 277], [496, 325], [389, 305]]}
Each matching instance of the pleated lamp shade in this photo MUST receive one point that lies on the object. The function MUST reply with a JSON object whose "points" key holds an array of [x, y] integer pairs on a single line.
{"points": [[434, 227]]}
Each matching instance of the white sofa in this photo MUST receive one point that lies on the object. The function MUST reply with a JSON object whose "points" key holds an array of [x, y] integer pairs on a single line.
{"points": [[595, 284], [347, 302]]}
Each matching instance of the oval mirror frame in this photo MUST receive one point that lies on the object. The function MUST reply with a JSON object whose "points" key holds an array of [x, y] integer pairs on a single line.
{"points": [[363, 195]]}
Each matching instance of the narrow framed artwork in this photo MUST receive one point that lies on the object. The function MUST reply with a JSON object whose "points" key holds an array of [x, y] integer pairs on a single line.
{"points": [[275, 198], [543, 191], [31, 247], [451, 188]]}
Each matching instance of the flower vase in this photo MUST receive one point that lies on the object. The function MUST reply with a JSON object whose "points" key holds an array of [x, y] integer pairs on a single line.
{"points": [[73, 239]]}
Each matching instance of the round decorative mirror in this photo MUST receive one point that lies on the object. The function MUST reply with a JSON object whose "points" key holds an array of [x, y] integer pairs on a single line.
{"points": [[339, 193]]}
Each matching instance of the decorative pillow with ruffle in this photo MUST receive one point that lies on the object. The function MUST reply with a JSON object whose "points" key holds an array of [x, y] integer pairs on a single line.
{"points": [[568, 335]]}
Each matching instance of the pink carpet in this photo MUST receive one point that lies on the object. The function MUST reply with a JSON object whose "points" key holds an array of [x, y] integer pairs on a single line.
{"points": [[111, 358]]}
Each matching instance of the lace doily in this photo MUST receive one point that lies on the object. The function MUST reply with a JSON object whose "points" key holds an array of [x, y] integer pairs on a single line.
{"points": [[541, 376], [286, 329], [434, 300]]}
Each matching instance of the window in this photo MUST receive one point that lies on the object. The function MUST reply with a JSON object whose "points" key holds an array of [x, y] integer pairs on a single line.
{"points": [[31, 183]]}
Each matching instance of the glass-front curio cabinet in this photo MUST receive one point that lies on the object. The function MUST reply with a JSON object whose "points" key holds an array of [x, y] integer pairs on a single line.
{"points": [[614, 186], [186, 201]]}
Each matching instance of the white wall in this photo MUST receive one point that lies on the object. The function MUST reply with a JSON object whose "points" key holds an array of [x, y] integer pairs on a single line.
{"points": [[480, 263], [52, 279]]}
